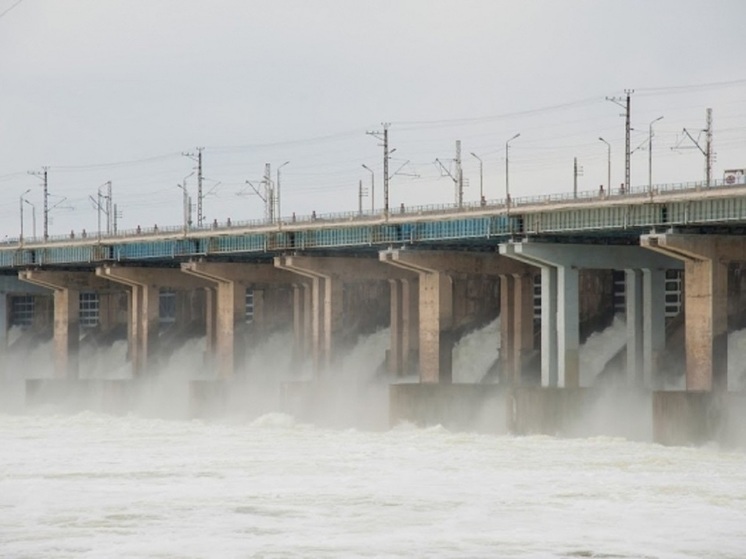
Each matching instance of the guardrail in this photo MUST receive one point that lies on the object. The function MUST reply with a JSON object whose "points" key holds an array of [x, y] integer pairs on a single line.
{"points": [[635, 193]]}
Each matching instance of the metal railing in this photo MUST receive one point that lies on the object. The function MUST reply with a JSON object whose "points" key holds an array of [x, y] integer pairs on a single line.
{"points": [[637, 194]]}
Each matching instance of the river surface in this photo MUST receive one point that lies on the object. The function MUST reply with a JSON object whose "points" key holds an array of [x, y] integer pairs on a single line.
{"points": [[153, 484], [94, 485]]}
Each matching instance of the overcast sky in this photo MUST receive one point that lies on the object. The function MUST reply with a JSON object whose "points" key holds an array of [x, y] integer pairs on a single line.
{"points": [[116, 90]]}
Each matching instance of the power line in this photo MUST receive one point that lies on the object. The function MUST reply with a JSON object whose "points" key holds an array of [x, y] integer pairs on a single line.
{"points": [[13, 6]]}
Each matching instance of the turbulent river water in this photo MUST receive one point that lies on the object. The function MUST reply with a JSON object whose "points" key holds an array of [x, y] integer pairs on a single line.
{"points": [[94, 485]]}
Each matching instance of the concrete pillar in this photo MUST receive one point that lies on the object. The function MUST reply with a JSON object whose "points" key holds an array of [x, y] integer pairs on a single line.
{"points": [[410, 324], [438, 305], [396, 357], [299, 331], [66, 287], [4, 319], [404, 325], [211, 314], [549, 356], [523, 323], [436, 320], [144, 306], [516, 325], [560, 264], [230, 281], [508, 322], [568, 327], [634, 313], [654, 325], [706, 259], [328, 276]]}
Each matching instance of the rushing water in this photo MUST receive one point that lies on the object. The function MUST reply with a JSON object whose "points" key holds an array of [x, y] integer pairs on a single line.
{"points": [[95, 486], [143, 485]]}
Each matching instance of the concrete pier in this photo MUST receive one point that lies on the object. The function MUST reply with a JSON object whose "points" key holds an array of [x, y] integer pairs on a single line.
{"points": [[445, 300], [330, 278], [144, 306], [560, 318], [66, 287], [705, 260], [226, 317]]}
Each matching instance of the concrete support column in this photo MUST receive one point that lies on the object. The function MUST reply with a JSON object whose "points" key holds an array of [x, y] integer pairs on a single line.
{"points": [[144, 306], [706, 289], [568, 327], [299, 325], [4, 320], [436, 320], [549, 355], [328, 276], [396, 357], [523, 323], [66, 287], [507, 329], [706, 259], [211, 314], [516, 325], [634, 312], [230, 281], [231, 309], [404, 325], [440, 303], [410, 343], [66, 332], [654, 325], [560, 264]]}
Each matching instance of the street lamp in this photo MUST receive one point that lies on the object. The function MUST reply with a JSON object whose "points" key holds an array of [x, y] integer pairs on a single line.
{"points": [[33, 218], [186, 202], [507, 176], [608, 165], [279, 215], [650, 156], [481, 179], [20, 204], [372, 188]]}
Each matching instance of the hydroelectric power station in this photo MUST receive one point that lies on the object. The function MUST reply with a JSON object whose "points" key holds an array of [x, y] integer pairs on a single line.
{"points": [[554, 269]]}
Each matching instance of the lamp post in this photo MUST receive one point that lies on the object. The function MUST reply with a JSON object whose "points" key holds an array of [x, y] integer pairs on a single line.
{"points": [[650, 155], [372, 188], [481, 178], [186, 202], [608, 165], [279, 215], [33, 218], [507, 175], [20, 204]]}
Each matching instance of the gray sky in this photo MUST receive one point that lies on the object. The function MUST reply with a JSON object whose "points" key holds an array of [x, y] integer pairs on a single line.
{"points": [[117, 89]]}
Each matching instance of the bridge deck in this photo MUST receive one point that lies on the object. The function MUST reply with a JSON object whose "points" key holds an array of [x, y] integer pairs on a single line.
{"points": [[616, 215]]}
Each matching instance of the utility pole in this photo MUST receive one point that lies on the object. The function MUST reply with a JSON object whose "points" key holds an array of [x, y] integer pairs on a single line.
{"points": [[384, 136], [360, 197], [103, 207], [577, 171], [44, 176], [372, 188], [269, 195], [627, 130], [277, 194], [481, 179], [457, 177], [109, 210], [650, 155], [707, 151], [200, 196]]}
